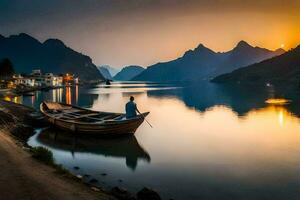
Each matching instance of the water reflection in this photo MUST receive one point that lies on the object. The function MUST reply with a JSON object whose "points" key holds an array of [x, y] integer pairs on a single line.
{"points": [[57, 95], [68, 95], [220, 142], [124, 147], [204, 95], [76, 94]]}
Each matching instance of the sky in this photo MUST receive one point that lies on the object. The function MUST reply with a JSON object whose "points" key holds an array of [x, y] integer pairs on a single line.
{"points": [[144, 32]]}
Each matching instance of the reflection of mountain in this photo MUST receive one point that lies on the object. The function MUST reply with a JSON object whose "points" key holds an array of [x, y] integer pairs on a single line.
{"points": [[124, 147], [241, 99]]}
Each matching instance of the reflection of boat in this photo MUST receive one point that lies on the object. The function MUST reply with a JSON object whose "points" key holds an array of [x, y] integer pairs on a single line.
{"points": [[80, 120], [121, 147]]}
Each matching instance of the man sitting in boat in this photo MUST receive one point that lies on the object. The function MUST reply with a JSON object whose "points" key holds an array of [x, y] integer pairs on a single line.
{"points": [[131, 108]]}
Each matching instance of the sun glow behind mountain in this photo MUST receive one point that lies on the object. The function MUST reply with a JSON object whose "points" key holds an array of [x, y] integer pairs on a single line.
{"points": [[145, 32]]}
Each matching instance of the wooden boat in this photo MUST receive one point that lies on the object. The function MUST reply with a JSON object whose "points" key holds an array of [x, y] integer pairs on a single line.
{"points": [[79, 120]]}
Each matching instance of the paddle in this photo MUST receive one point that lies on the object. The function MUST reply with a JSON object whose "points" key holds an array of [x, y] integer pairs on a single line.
{"points": [[144, 118]]}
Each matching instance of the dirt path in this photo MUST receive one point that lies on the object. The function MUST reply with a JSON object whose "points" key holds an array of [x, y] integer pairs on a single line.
{"points": [[24, 178]]}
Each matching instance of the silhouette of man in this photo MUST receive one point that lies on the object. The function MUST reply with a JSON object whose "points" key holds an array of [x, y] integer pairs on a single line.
{"points": [[131, 108]]}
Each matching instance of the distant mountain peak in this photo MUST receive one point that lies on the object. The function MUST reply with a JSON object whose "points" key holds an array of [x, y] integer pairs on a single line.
{"points": [[23, 35], [201, 47], [280, 51], [55, 42], [113, 71], [128, 72], [243, 44], [203, 63], [105, 72], [282, 70]]}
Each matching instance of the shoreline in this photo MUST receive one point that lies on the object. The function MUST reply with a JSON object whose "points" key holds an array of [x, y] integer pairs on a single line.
{"points": [[24, 91], [17, 125], [27, 90], [42, 180]]}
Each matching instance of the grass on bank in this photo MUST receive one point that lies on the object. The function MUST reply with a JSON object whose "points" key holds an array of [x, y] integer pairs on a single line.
{"points": [[44, 155]]}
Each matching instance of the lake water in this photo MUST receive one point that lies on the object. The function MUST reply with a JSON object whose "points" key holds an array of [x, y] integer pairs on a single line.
{"points": [[207, 142]]}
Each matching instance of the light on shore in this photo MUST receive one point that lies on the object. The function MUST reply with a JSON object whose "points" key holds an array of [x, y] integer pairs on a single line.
{"points": [[278, 101]]}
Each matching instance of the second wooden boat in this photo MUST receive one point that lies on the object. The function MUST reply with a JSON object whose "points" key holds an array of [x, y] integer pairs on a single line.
{"points": [[79, 120]]}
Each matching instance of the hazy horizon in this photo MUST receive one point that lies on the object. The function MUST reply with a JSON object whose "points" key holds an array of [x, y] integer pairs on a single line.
{"points": [[134, 32]]}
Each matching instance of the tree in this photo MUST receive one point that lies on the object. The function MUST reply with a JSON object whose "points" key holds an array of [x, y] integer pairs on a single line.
{"points": [[6, 68]]}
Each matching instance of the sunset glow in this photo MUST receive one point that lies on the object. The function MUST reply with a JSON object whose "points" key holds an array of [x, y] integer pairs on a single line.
{"points": [[120, 33], [150, 99]]}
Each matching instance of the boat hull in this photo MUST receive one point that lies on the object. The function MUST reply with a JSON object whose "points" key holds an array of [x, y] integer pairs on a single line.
{"points": [[110, 127]]}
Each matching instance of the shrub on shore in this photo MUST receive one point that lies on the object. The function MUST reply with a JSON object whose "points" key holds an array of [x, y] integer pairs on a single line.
{"points": [[43, 154]]}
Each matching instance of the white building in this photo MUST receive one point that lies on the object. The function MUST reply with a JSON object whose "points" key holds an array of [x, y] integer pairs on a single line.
{"points": [[53, 80], [37, 79], [20, 80]]}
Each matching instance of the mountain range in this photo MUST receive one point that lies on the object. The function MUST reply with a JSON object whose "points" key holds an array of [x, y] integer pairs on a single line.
{"points": [[203, 63], [112, 70], [281, 70], [105, 72], [128, 72], [6, 69], [27, 53]]}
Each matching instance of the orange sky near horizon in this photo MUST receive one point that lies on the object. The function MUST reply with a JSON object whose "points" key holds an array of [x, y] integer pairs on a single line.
{"points": [[216, 31], [145, 32]]}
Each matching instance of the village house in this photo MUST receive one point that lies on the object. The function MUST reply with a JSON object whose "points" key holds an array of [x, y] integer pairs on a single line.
{"points": [[37, 79], [26, 81], [53, 80], [69, 79]]}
